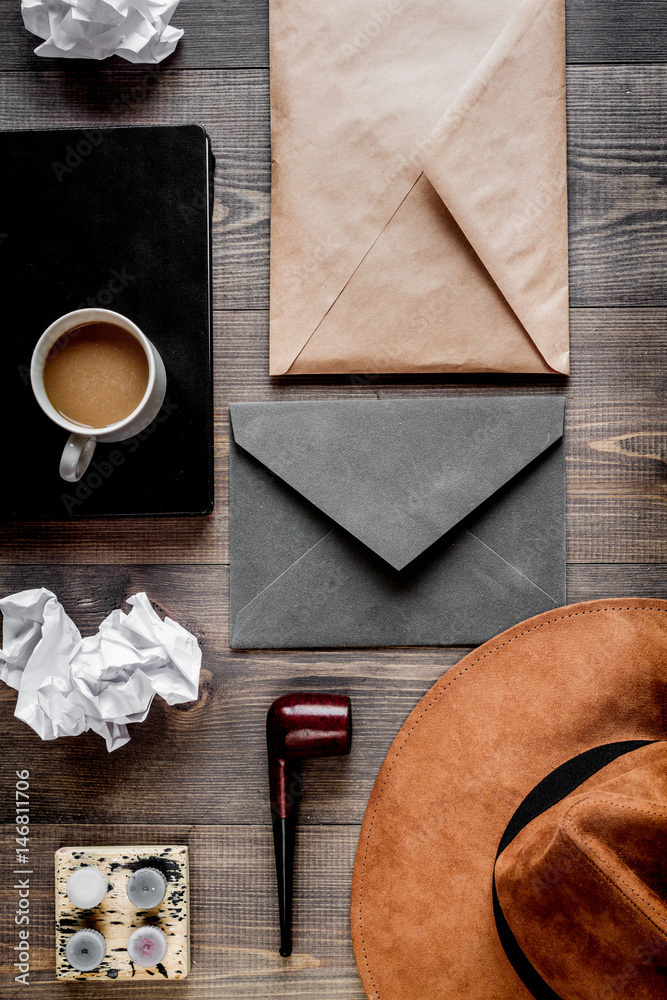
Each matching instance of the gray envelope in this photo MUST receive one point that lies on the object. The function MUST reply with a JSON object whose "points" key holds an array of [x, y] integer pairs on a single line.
{"points": [[421, 522]]}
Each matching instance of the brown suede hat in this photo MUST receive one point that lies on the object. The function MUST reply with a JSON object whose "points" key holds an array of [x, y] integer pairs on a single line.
{"points": [[515, 843]]}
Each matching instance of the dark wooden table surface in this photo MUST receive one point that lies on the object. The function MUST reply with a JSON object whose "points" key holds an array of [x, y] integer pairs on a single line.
{"points": [[197, 773]]}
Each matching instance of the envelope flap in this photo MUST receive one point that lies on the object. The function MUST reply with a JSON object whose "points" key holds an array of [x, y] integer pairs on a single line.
{"points": [[398, 474], [498, 160]]}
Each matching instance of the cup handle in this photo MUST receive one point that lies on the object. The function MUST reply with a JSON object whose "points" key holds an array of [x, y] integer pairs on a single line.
{"points": [[76, 456]]}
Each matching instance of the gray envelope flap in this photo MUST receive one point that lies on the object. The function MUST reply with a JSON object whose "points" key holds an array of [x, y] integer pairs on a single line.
{"points": [[398, 474]]}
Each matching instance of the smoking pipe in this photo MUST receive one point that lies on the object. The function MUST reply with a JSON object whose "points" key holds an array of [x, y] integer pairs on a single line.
{"points": [[298, 727]]}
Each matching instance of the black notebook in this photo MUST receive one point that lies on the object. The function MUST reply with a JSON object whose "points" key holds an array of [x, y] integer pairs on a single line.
{"points": [[118, 218]]}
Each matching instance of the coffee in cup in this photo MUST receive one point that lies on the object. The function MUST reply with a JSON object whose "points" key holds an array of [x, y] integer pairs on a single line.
{"points": [[95, 374]]}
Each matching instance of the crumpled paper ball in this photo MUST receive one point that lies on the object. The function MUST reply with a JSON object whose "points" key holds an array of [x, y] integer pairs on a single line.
{"points": [[68, 685], [136, 30]]}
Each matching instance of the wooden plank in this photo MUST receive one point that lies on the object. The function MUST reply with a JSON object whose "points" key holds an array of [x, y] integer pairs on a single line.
{"points": [[603, 581], [616, 31], [90, 593], [234, 914], [205, 762], [617, 438], [219, 36], [617, 172], [616, 441], [216, 36], [618, 185]]}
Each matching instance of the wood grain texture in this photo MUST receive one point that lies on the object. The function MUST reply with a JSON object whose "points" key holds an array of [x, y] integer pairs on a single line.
{"points": [[616, 446], [201, 769], [206, 762], [234, 918], [220, 36], [616, 31], [618, 185], [217, 36], [618, 175]]}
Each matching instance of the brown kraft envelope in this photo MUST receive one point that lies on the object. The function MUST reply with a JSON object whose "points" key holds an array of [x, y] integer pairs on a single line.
{"points": [[419, 189]]}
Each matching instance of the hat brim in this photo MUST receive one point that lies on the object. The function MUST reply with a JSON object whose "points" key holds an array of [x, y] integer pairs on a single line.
{"points": [[507, 715]]}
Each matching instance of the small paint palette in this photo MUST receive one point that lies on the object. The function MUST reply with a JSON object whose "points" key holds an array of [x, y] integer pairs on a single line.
{"points": [[116, 918]]}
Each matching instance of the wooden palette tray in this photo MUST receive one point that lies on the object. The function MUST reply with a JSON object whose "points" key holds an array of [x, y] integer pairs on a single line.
{"points": [[116, 918]]}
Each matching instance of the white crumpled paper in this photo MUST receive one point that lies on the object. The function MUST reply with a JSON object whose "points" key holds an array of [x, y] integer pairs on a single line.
{"points": [[136, 30], [68, 685]]}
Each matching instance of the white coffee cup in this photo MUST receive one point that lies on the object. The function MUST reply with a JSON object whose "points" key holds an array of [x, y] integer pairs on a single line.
{"points": [[81, 443]]}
